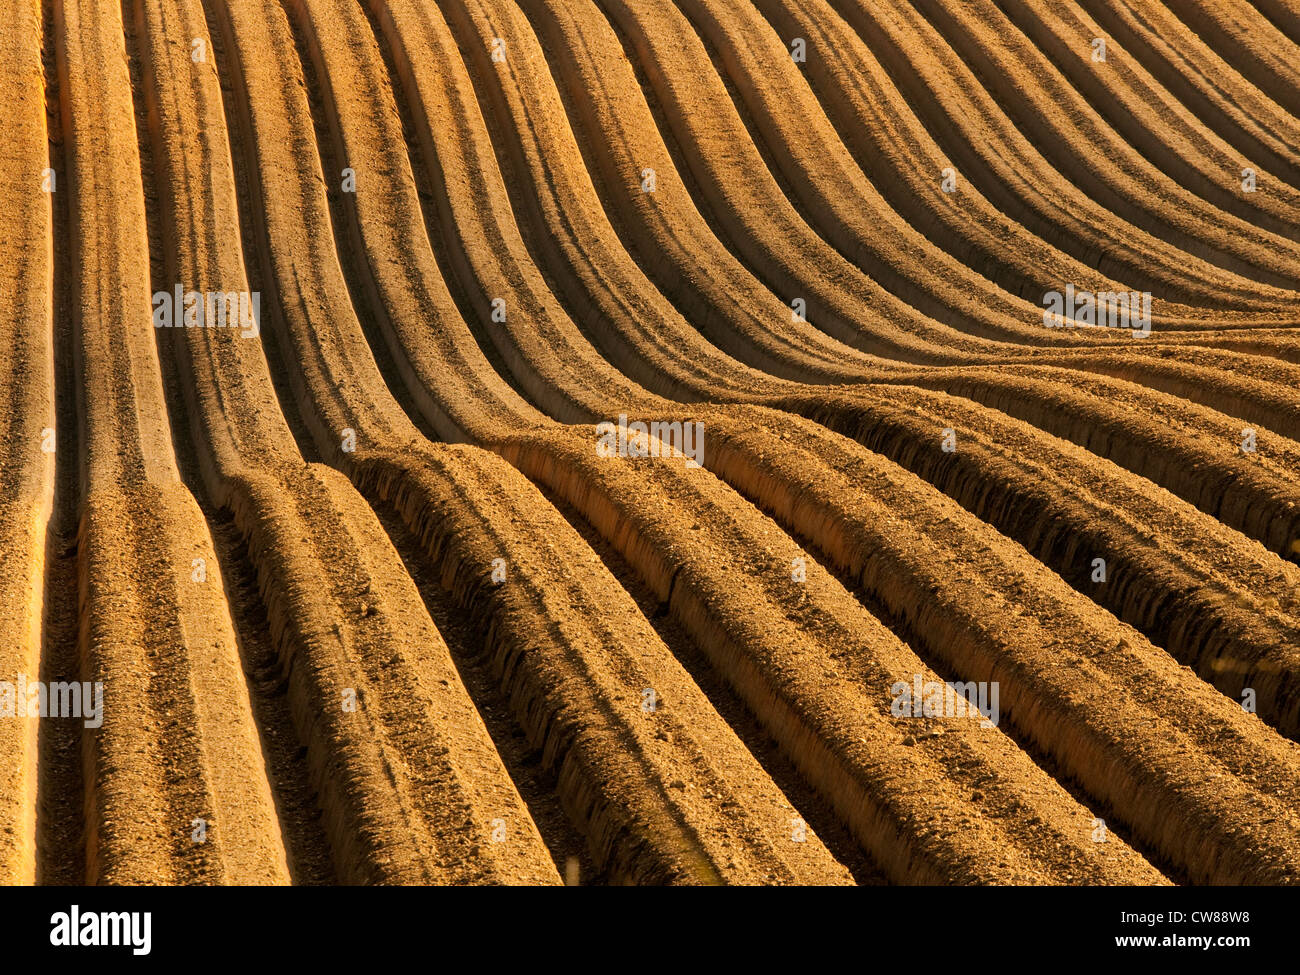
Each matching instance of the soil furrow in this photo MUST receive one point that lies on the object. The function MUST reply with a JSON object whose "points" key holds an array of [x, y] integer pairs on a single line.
{"points": [[590, 442], [1012, 171], [1050, 112], [1246, 39], [1154, 122], [30, 574], [635, 830], [867, 801], [1111, 709], [893, 148], [1205, 594], [407, 775], [1216, 93], [174, 784]]}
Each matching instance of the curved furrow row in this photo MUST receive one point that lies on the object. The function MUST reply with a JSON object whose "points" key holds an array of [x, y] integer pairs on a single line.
{"points": [[1043, 104], [894, 149], [558, 194], [563, 201], [1264, 665], [568, 381], [707, 368], [499, 27], [642, 345], [635, 327], [804, 247], [26, 419], [1190, 451], [1282, 14], [666, 232], [1251, 387], [1213, 666], [1246, 39], [409, 781], [835, 196], [839, 744], [1166, 754], [818, 671], [571, 470], [1216, 93], [1151, 120], [486, 255], [1200, 591], [659, 784], [645, 347], [176, 756], [966, 121], [573, 653]]}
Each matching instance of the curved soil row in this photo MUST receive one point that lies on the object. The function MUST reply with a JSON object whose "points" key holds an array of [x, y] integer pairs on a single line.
{"points": [[966, 120], [26, 419], [818, 670], [575, 681], [1218, 95], [1190, 451], [445, 211], [894, 149], [1055, 116], [1202, 592], [1246, 39], [555, 461], [1156, 123], [821, 176], [409, 781], [175, 785], [1220, 388], [669, 234], [1137, 731]]}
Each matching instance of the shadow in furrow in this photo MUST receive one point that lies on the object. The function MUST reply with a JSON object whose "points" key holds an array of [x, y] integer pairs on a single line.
{"points": [[297, 806], [810, 804], [465, 300], [538, 785], [60, 853], [258, 282]]}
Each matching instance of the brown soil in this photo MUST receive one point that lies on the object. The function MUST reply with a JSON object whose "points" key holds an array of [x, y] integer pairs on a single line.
{"points": [[368, 605]]}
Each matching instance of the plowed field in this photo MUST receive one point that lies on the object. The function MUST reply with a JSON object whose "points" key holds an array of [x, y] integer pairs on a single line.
{"points": [[650, 441]]}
